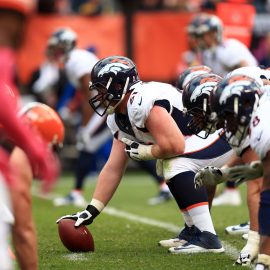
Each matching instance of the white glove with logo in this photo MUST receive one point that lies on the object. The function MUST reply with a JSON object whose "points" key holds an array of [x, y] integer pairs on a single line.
{"points": [[138, 151], [210, 175], [85, 217]]}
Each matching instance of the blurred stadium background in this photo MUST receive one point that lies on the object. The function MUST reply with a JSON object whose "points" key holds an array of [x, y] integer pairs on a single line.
{"points": [[151, 32]]}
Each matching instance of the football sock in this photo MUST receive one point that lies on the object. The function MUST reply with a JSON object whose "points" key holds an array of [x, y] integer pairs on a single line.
{"points": [[201, 218]]}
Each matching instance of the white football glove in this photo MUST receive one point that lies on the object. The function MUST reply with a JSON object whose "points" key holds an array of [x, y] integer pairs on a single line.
{"points": [[138, 151], [210, 175], [85, 217]]}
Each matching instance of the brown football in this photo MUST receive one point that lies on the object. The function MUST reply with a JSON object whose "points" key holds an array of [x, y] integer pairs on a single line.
{"points": [[75, 239]]}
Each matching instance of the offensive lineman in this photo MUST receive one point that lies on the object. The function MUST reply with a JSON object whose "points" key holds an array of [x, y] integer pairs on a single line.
{"points": [[222, 56], [243, 107], [148, 123]]}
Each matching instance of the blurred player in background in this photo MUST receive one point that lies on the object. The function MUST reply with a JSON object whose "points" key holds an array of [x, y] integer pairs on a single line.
{"points": [[222, 56], [13, 16], [39, 156], [148, 123], [46, 124], [191, 57], [78, 63]]}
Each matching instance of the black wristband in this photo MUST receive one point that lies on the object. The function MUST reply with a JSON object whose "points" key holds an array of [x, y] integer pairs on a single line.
{"points": [[92, 210]]}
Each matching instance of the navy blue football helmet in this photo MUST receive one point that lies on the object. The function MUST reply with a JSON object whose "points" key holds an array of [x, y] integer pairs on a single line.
{"points": [[233, 102], [111, 79], [195, 99], [189, 73]]}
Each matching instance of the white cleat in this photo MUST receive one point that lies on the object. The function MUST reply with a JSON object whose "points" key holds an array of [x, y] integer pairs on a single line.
{"points": [[162, 197], [228, 197], [238, 229], [245, 236], [73, 198]]}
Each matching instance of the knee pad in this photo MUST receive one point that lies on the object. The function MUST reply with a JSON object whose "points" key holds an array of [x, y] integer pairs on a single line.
{"points": [[264, 213], [183, 190]]}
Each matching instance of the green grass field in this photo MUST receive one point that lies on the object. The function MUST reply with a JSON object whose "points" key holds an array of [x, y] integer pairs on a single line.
{"points": [[127, 242]]}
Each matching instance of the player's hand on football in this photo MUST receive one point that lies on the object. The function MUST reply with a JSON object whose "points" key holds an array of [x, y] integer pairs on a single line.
{"points": [[209, 176], [137, 151], [84, 217]]}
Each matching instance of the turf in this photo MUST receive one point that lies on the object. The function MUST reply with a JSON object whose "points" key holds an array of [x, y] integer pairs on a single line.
{"points": [[124, 244]]}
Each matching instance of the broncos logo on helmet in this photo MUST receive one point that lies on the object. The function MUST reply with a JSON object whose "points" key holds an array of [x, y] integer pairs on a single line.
{"points": [[113, 67], [234, 89]]}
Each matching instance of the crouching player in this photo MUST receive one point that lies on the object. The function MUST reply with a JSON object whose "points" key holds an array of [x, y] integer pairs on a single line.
{"points": [[243, 109], [141, 113]]}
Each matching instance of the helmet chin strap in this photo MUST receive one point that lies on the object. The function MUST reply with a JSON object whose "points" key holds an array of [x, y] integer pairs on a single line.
{"points": [[111, 109]]}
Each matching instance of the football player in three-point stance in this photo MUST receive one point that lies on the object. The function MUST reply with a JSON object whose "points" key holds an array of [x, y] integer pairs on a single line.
{"points": [[236, 97], [245, 111], [222, 56], [249, 252], [148, 123]]}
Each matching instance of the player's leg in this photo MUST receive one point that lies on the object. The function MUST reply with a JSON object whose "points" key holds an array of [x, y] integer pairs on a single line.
{"points": [[199, 234], [23, 230]]}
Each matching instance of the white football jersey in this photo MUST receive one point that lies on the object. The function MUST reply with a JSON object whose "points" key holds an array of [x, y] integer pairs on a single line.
{"points": [[79, 63], [260, 127], [226, 56], [142, 99]]}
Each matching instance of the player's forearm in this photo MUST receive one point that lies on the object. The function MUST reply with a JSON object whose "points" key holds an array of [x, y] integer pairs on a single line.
{"points": [[167, 150], [107, 184]]}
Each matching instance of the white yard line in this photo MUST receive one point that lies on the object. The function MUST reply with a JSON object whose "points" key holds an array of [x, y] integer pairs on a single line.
{"points": [[230, 250], [75, 257]]}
